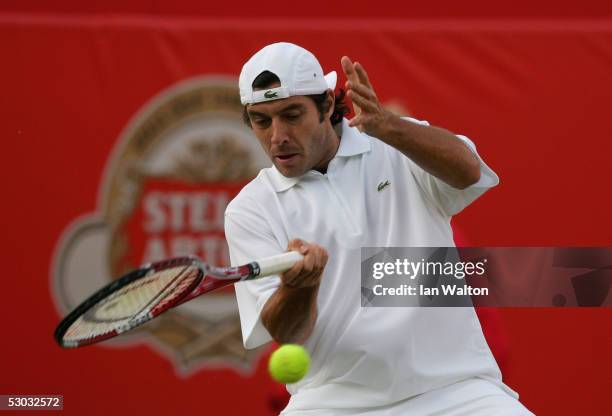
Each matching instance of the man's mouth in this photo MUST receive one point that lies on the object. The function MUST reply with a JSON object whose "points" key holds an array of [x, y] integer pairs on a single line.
{"points": [[286, 158]]}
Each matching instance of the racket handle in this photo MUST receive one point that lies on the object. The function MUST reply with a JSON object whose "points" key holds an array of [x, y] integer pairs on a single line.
{"points": [[278, 264]]}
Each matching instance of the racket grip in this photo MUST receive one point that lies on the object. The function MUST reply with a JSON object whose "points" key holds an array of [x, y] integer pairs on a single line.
{"points": [[279, 263]]}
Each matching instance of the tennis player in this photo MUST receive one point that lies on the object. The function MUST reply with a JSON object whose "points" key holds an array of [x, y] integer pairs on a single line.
{"points": [[337, 185]]}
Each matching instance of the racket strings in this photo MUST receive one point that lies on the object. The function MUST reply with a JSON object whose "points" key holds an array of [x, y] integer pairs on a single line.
{"points": [[131, 305]]}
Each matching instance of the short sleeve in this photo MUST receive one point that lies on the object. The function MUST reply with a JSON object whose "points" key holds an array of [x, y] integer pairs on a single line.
{"points": [[451, 200], [249, 238]]}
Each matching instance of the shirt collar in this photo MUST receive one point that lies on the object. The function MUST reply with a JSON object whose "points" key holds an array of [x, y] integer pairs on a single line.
{"points": [[352, 143], [279, 182]]}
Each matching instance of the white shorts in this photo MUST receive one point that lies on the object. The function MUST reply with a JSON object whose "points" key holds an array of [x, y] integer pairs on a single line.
{"points": [[474, 397]]}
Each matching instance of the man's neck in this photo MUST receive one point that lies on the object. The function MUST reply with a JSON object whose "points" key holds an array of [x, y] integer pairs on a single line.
{"points": [[338, 130], [334, 135]]}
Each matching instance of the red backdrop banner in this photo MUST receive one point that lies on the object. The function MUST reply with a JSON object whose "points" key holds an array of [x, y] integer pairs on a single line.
{"points": [[93, 108]]}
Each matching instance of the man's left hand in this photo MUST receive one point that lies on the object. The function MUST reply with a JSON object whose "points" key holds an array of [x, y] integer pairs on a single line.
{"points": [[370, 116]]}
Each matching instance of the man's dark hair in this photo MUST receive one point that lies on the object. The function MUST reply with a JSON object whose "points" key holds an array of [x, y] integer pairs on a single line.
{"points": [[267, 78]]}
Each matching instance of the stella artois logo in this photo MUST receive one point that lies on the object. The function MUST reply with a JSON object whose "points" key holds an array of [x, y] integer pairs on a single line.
{"points": [[173, 171]]}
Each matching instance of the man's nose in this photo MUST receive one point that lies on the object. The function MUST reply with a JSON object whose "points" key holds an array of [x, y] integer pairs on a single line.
{"points": [[279, 132]]}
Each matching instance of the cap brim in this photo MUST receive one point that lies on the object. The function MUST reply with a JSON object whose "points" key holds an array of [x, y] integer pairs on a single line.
{"points": [[331, 80]]}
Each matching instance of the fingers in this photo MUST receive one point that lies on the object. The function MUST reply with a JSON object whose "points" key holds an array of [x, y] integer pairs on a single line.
{"points": [[367, 101], [301, 247], [355, 72], [319, 260], [362, 74], [297, 245], [307, 272], [361, 89], [349, 69]]}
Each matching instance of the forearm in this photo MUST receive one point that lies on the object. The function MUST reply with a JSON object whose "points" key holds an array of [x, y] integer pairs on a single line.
{"points": [[436, 150], [290, 313]]}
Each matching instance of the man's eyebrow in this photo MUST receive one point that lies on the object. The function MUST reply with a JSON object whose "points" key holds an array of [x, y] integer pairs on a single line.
{"points": [[296, 106]]}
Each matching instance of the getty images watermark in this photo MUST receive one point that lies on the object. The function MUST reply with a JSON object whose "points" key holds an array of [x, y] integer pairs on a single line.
{"points": [[489, 276]]}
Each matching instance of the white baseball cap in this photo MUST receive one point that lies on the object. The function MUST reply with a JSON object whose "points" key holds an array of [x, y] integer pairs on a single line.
{"points": [[297, 69]]}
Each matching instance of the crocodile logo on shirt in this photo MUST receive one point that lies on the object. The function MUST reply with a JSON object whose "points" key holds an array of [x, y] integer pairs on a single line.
{"points": [[383, 185], [270, 94]]}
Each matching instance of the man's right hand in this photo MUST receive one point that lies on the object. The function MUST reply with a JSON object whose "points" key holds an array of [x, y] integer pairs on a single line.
{"points": [[290, 313], [308, 272]]}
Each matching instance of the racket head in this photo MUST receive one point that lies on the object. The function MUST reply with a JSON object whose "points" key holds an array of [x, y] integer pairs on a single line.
{"points": [[130, 301]]}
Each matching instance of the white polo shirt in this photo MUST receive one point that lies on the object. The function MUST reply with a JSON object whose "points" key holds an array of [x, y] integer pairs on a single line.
{"points": [[362, 358]]}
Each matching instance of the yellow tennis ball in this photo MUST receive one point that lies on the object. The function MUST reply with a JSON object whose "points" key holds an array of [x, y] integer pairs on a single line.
{"points": [[289, 363]]}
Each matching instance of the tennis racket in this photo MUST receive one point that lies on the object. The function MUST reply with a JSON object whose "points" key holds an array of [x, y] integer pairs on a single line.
{"points": [[149, 291]]}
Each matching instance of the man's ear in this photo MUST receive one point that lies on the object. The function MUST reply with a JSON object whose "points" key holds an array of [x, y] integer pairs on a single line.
{"points": [[331, 100]]}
